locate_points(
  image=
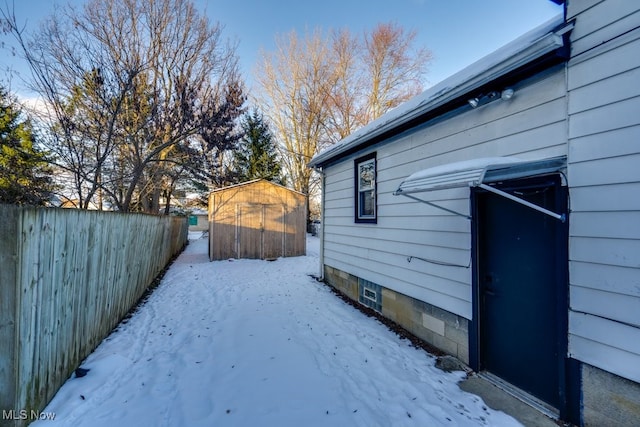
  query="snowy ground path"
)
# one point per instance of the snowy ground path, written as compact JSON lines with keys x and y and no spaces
{"x":257,"y":343}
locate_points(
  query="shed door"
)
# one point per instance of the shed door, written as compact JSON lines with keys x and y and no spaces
{"x":260,"y":232}
{"x":249,"y":231}
{"x":273,"y":232}
{"x":521,"y":287}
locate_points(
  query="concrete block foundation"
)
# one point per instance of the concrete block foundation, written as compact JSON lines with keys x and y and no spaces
{"x":437,"y":327}
{"x":609,"y":400}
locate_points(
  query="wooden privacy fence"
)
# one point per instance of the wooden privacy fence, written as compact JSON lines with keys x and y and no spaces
{"x":67,"y":278}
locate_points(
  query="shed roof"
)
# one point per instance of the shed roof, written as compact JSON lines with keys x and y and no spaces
{"x":254,"y":181}
{"x":542,"y":41}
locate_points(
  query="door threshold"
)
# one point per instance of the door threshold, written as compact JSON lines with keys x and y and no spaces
{"x":521,"y":395}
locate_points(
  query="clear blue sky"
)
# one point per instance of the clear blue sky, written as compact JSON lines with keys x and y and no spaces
{"x":458,"y":32}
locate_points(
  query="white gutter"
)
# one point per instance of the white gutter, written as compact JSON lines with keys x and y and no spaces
{"x":321,"y":254}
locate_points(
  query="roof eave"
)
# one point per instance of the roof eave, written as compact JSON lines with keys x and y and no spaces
{"x":548,"y":43}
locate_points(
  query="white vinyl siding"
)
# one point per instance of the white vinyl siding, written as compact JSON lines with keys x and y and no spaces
{"x":604,"y":175}
{"x":531,"y":125}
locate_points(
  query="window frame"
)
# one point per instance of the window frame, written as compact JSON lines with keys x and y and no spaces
{"x":358,"y":218}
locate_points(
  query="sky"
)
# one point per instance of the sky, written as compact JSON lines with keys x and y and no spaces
{"x":457,"y":32}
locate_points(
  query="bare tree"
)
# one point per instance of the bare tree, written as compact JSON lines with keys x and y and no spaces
{"x":134,"y":85}
{"x":318,"y":90}
{"x":68,"y":74}
{"x":395,"y":71}
{"x":296,"y":82}
{"x":347,"y":111}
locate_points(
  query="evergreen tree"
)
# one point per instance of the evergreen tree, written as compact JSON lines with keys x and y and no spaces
{"x":256,"y":156}
{"x":25,"y":175}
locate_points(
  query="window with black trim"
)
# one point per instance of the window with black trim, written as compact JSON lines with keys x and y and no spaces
{"x":365,"y":189}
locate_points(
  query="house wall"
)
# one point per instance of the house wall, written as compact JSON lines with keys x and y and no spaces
{"x":202,"y":225}
{"x":284,"y":225}
{"x":604,"y":171}
{"x":530,"y":125}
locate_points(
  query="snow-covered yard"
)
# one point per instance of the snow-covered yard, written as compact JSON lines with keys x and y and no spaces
{"x":257,"y":343}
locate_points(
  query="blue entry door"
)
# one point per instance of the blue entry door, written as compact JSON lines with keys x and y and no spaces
{"x":521,"y":258}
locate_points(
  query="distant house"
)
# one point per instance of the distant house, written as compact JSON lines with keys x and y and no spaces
{"x":256,"y":219}
{"x":198,"y":220}
{"x":75,"y":204}
{"x":497,"y":215}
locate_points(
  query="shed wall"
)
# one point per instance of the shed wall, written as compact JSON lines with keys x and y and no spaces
{"x":604,"y":172}
{"x":531,"y":125}
{"x":240,"y":214}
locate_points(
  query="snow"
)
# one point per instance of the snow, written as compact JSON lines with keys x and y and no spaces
{"x":250,"y":342}
{"x":464,"y":173}
{"x":470,"y":165}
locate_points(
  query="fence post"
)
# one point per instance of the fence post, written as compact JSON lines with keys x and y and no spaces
{"x":8,"y":302}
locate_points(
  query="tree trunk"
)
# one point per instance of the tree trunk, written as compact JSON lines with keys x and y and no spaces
{"x":167,"y":198}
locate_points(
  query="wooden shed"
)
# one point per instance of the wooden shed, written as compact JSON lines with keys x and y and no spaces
{"x":256,"y":219}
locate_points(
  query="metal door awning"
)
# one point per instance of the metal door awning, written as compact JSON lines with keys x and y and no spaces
{"x":478,"y":173}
